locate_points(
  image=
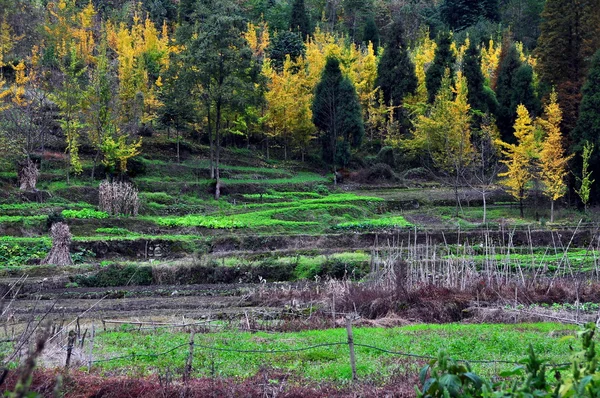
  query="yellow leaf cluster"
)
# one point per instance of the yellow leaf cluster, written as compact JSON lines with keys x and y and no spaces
{"x":490,"y":59}
{"x":66,"y":27}
{"x":18,"y":89}
{"x":446,"y":132}
{"x":258,"y":38}
{"x":289,"y":101}
{"x":131,"y":45}
{"x":422,"y":56}
{"x":362,"y":72}
{"x":7,"y":40}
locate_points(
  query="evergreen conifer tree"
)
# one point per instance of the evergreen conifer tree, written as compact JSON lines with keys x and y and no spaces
{"x":481,"y":97}
{"x":396,"y":72}
{"x":299,"y":20}
{"x":444,"y":59}
{"x":569,"y":36}
{"x":336,"y":112}
{"x":460,"y":14}
{"x":371,"y":33}
{"x":588,"y":123}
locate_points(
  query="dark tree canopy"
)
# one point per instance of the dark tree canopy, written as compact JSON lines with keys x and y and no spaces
{"x":505,"y":84}
{"x":299,"y":19}
{"x":336,"y":112}
{"x":480,"y":97}
{"x":285,"y":43}
{"x":460,"y":14}
{"x":570,"y":34}
{"x":444,"y":59}
{"x":371,"y":33}
{"x":588,"y":123}
{"x":396,"y":72}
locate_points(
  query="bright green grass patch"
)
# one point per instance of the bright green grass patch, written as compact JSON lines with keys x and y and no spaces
{"x":473,"y":342}
{"x":84,"y":213}
{"x":376,"y":223}
{"x":252,"y":219}
{"x":24,"y":219}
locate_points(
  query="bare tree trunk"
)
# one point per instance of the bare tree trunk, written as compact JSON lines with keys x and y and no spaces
{"x":484,"y":208}
{"x":217,"y":151}
{"x":178,"y":158}
{"x":552,"y":211}
{"x":212,"y":145}
{"x":96,"y":157}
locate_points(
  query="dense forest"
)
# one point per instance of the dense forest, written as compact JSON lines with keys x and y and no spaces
{"x":474,"y":92}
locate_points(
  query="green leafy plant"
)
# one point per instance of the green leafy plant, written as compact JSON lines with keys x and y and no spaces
{"x":84,"y":213}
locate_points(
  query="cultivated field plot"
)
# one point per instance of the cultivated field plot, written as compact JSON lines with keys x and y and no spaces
{"x":266,"y":283}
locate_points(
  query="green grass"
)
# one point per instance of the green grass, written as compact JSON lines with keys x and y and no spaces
{"x":473,"y":342}
{"x":376,"y":223}
{"x":304,"y":212}
{"x":18,"y":219}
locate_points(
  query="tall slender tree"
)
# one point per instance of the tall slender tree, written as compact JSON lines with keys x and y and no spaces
{"x":219,"y":66}
{"x":481,"y":97}
{"x":519,"y":157}
{"x":553,"y":160}
{"x":569,"y":36}
{"x":444,"y":59}
{"x":514,"y":86}
{"x":588,"y":124}
{"x":460,"y":14}
{"x":396,"y":72}
{"x":299,"y":19}
{"x":336,"y":112}
{"x":370,"y":33}
{"x":445,"y":134}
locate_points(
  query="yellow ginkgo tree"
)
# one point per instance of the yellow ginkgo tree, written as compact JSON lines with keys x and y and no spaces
{"x":445,"y":133}
{"x":519,"y":158}
{"x":289,"y":99}
{"x":553,"y":160}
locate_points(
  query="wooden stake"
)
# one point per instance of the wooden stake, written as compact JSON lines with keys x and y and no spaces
{"x":70,"y":344}
{"x":351,"y":346}
{"x":90,"y":358}
{"x":190,"y":358}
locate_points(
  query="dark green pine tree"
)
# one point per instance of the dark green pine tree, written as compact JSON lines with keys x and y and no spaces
{"x":336,"y":112}
{"x":396,"y":72}
{"x":371,"y":33}
{"x":588,"y":124}
{"x":460,"y":14}
{"x":507,"y":69}
{"x":569,"y":36}
{"x":186,"y":10}
{"x":523,"y":91}
{"x":444,"y":59}
{"x":480,"y":97}
{"x":285,"y":43}
{"x":299,"y":20}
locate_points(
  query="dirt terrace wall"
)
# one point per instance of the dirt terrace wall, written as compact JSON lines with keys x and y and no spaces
{"x":158,"y":249}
